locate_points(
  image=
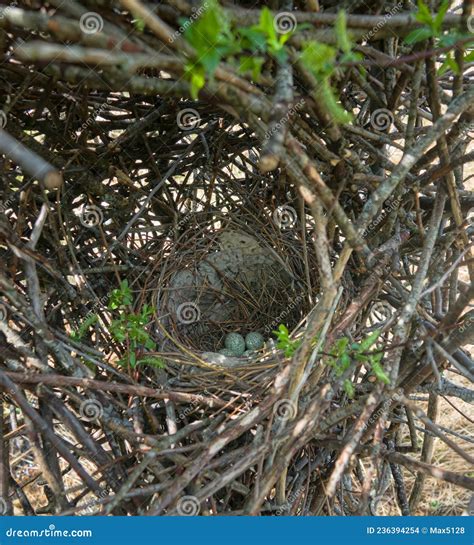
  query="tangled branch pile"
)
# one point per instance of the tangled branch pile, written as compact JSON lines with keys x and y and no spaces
{"x":134,"y":136}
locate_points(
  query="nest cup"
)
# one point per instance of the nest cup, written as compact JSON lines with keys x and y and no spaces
{"x":197,"y":314}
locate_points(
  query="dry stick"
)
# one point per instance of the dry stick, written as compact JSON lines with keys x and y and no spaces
{"x":401,"y":330}
{"x":443,"y":152}
{"x":161,"y":29}
{"x":12,"y":390}
{"x":63,"y":28}
{"x":301,"y":432}
{"x":426,"y":454}
{"x":272,"y":148}
{"x":409,"y":160}
{"x":5,"y":503}
{"x":442,"y":474}
{"x":351,"y":444}
{"x":301,"y":365}
{"x":398,"y":21}
{"x":37,"y":51}
{"x":240,"y":425}
{"x":33,"y":165}
{"x":132,"y":478}
{"x":97,"y":453}
{"x":132,"y":389}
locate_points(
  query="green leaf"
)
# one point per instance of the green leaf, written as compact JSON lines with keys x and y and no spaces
{"x":380,"y":373}
{"x":340,"y":346}
{"x":152,"y":361}
{"x":369,"y":341}
{"x":439,"y":18}
{"x":83,"y":328}
{"x":342,"y":37}
{"x":349,"y":389}
{"x":197,"y":79}
{"x":418,"y":35}
{"x":251,"y":65}
{"x":139,"y":24}
{"x":449,"y":64}
{"x":266,"y":24}
{"x":335,"y":110}
{"x":424,"y":14}
{"x":253,"y":38}
{"x":319,"y":58}
{"x":132,"y":359}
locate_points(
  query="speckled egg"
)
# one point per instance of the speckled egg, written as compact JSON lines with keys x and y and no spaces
{"x":236,"y":343}
{"x":254,"y":341}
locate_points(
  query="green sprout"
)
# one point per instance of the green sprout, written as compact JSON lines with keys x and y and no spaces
{"x":343,"y":353}
{"x":128,"y":328}
{"x":433,"y":29}
{"x":285,"y":343}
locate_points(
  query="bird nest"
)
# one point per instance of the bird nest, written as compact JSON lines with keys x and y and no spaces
{"x":136,"y":230}
{"x":202,"y":290}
